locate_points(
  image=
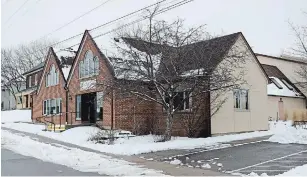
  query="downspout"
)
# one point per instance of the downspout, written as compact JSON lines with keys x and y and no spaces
{"x":66,"y":109}
{"x":112,"y":110}
{"x":32,"y":108}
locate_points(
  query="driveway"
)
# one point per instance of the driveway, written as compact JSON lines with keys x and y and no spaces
{"x":256,"y":155}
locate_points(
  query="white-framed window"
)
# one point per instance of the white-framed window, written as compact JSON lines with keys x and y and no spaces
{"x":89,"y":66}
{"x":241,"y":100}
{"x":30,"y":79}
{"x":52,"y":77}
{"x":182,"y":100}
{"x":35,"y":79}
{"x":52,"y":106}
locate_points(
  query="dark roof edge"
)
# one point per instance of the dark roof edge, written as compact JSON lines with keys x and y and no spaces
{"x":255,"y":56}
{"x":31,"y":71}
{"x":280,"y":58}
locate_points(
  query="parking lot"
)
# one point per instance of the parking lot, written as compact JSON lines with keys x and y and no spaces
{"x":258,"y":156}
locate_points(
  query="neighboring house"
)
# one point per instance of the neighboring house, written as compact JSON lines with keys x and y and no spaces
{"x":289,"y":66}
{"x":285,"y":100}
{"x":33,"y":77}
{"x":83,"y":99}
{"x":8,"y":101}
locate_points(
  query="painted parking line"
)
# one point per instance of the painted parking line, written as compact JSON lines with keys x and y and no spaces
{"x":222,"y":146}
{"x":265,"y":162}
{"x":264,"y":171}
{"x":278,"y":166}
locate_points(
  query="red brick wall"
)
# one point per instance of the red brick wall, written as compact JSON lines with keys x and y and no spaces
{"x":56,"y":91}
{"x":74,"y":84}
{"x":144,"y":117}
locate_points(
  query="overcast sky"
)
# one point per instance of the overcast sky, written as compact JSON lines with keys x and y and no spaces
{"x":263,"y":22}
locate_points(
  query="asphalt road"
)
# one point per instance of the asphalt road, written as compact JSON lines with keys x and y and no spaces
{"x":251,"y":156}
{"x":13,"y":164}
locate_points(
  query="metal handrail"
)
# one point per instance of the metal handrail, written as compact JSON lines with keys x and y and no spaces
{"x":39,"y":119}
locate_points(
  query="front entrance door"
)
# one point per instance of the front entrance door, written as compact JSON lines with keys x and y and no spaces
{"x":88,"y":105}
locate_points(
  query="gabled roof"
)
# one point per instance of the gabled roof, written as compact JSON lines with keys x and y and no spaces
{"x":85,"y":35}
{"x":57,"y":61}
{"x":208,"y":53}
{"x":35,"y":68}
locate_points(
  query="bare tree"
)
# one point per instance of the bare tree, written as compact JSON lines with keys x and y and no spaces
{"x":16,"y":61}
{"x":167,"y":64}
{"x":300,"y":50}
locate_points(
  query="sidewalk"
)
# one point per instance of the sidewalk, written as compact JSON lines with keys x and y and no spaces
{"x":167,"y":169}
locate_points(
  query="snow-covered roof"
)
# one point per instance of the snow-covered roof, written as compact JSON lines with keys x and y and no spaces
{"x":280,"y":87}
{"x":66,"y":70}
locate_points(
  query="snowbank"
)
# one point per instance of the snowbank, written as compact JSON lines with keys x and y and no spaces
{"x":72,"y":157}
{"x":285,"y":133}
{"x":16,"y":116}
{"x":297,"y":171}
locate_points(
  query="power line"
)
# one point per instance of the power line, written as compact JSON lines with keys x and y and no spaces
{"x":75,"y":19}
{"x":139,"y":20}
{"x":57,"y":43}
{"x":182,"y":2}
{"x":15,"y":12}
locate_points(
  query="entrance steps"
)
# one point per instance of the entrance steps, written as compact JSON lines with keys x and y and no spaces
{"x":56,"y":128}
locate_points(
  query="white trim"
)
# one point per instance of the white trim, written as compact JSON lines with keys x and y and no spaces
{"x":76,"y":61}
{"x":35,"y":71}
{"x":43,"y":74}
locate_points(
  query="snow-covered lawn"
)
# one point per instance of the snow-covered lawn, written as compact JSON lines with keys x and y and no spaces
{"x":122,"y":146}
{"x":72,"y":157}
{"x":282,"y":132}
{"x":16,"y":116}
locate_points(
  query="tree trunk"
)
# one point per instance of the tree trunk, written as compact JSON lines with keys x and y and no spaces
{"x":169,"y":122}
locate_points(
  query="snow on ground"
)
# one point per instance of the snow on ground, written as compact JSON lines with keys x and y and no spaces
{"x":141,"y":144}
{"x":285,"y":133}
{"x":175,"y":162}
{"x":282,"y":132}
{"x":297,"y":171}
{"x":16,"y":116}
{"x":72,"y":157}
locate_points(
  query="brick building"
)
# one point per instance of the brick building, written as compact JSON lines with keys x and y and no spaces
{"x":83,"y":98}
{"x":49,"y":102}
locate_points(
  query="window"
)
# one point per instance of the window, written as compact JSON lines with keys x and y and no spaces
{"x":78,"y":107}
{"x":241,"y":99}
{"x":287,"y":84}
{"x":52,"y":106}
{"x":181,"y":100}
{"x":89,"y":66}
{"x":30,"y":78}
{"x":52,"y":78}
{"x":276,"y":83}
{"x":35,"y":81}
